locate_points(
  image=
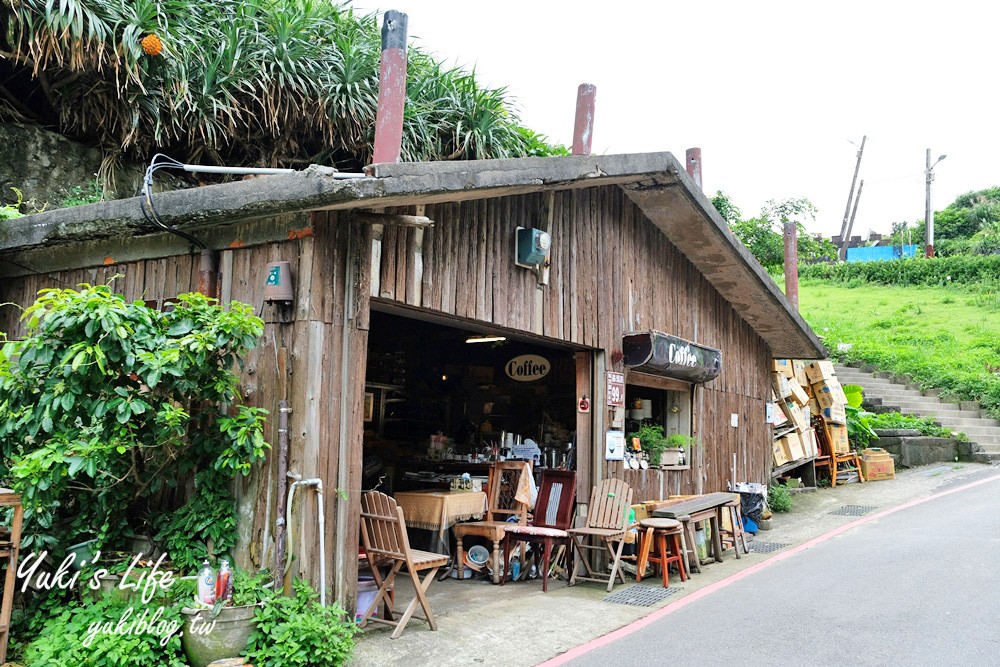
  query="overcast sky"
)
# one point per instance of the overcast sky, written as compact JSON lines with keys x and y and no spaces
{"x":772,"y":92}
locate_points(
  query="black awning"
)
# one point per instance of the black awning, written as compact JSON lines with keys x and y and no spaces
{"x":657,"y":353}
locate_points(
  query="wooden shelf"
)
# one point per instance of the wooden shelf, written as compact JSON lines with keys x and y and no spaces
{"x":683,"y":467}
{"x":791,"y":465}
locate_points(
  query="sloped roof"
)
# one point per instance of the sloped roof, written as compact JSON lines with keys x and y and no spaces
{"x":656,"y":182}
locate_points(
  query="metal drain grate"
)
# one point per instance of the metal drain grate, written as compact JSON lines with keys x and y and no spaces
{"x":641,"y":596}
{"x":759,"y":547}
{"x":853,"y":510}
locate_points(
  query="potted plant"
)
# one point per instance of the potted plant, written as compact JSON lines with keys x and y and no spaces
{"x":222,"y":630}
{"x":681,"y":444}
{"x":652,"y":441}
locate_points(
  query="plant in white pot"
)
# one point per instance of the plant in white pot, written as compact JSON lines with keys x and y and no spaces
{"x":215,"y":632}
{"x":681,"y":446}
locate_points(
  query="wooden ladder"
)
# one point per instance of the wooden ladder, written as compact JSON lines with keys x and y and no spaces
{"x":8,"y":550}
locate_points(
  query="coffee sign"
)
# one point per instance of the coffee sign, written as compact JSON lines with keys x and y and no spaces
{"x":527,"y":368}
{"x":657,"y":353}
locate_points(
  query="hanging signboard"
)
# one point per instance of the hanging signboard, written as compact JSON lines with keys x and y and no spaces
{"x":616,"y":389}
{"x":527,"y":368}
{"x":658,"y":353}
{"x":614,"y":446}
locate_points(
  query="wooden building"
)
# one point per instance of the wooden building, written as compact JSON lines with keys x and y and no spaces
{"x":635,"y":246}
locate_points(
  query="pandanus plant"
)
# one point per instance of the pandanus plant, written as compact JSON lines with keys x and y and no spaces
{"x":239,"y":82}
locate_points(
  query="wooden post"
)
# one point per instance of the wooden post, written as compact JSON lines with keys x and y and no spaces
{"x":354,"y":361}
{"x":391,"y":89}
{"x":583,"y":128}
{"x":693,"y":159}
{"x":585,"y":465}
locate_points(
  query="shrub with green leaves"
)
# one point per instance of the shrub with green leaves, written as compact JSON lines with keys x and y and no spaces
{"x":281,"y":82}
{"x":107,"y":407}
{"x":297,"y":632}
{"x":779,"y":499}
{"x":896,"y":420}
{"x":70,"y":635}
{"x":958,"y":270}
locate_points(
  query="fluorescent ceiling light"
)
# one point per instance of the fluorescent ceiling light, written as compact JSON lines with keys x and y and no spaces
{"x":485,"y":339}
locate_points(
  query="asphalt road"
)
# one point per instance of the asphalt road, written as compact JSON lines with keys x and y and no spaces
{"x":920,"y":586}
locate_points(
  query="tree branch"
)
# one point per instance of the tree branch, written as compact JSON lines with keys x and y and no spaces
{"x":18,"y":105}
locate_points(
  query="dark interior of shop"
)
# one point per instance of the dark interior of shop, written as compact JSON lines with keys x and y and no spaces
{"x":435,"y":400}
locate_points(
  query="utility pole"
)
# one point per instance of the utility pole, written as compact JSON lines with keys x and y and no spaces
{"x":928,"y":211}
{"x":844,"y":234}
{"x":850,"y":223}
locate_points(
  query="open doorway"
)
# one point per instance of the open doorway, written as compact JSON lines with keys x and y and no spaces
{"x":442,"y":401}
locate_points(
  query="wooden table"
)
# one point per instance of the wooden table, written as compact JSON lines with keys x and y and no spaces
{"x":695,"y":510}
{"x":438,"y":511}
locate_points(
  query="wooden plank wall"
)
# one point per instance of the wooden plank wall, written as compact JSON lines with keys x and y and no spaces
{"x":313,"y":341}
{"x":612,"y":272}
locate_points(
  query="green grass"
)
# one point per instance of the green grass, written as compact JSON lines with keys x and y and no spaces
{"x":946,"y":337}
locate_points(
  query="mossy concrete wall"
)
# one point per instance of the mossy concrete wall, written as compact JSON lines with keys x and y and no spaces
{"x":45,"y":166}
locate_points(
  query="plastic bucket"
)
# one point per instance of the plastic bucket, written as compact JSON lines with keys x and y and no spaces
{"x":367,"y":589}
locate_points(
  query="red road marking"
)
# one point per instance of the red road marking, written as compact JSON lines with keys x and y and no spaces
{"x":634,"y":626}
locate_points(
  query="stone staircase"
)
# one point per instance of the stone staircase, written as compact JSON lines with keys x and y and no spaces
{"x":906,"y":397}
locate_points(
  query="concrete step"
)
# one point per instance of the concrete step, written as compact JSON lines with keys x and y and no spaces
{"x":976,"y":432}
{"x":890,"y":396}
{"x":896,"y":390}
{"x":908,"y":399}
{"x":868,"y":382}
{"x":940,"y":408}
{"x":970,"y":422}
{"x":935,"y":415}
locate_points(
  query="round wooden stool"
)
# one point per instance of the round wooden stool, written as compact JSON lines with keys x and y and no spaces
{"x":670,"y":547}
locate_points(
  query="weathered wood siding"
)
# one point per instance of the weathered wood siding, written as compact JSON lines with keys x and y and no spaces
{"x":314,"y":342}
{"x":612,"y":272}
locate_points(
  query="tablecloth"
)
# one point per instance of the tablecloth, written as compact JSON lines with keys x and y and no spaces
{"x":439,"y":510}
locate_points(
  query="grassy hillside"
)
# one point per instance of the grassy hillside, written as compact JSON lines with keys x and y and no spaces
{"x":946,"y":337}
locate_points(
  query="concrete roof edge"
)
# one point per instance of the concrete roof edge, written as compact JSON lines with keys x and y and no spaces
{"x":316,"y":188}
{"x":721,"y":228}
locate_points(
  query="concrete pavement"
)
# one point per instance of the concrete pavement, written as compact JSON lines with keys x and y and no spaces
{"x":518,"y":625}
{"x":914,"y":586}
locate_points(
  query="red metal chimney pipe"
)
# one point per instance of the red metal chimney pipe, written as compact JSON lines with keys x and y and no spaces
{"x":391,"y":89}
{"x":583,"y":128}
{"x":693,"y":159}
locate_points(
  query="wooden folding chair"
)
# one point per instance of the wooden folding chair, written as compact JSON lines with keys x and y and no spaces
{"x":383,"y":530}
{"x":506,"y":478}
{"x":607,"y":521}
{"x":830,"y":459}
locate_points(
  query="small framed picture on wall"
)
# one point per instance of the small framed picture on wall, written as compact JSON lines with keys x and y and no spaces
{"x":369,"y":406}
